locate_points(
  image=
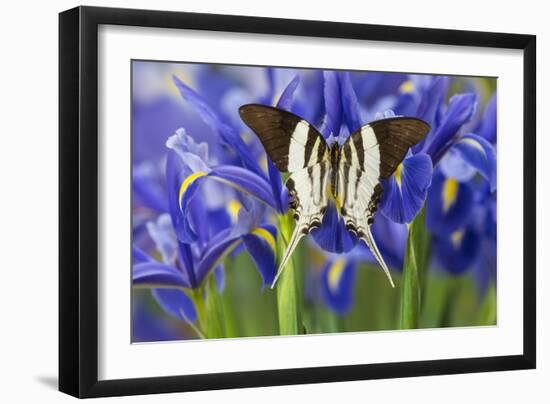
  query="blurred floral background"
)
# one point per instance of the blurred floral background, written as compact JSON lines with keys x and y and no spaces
{"x":210,"y":211}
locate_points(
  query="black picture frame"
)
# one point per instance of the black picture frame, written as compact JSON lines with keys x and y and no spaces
{"x":78,"y":200}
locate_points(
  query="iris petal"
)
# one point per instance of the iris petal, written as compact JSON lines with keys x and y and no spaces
{"x":161,"y":232}
{"x":180,"y":221}
{"x":432,"y":99}
{"x":449,"y":204}
{"x":479,"y":153}
{"x":459,"y":111}
{"x":261,"y":246}
{"x":350,"y":106}
{"x":372,"y":86}
{"x":236,"y":177}
{"x":285,"y":100}
{"x":484,"y":269}
{"x":245,"y":181}
{"x":405,"y":105}
{"x":333,"y":104}
{"x":391,"y":238}
{"x":139,"y":256}
{"x":270,"y":93}
{"x":488,"y":126}
{"x":219,"y":276}
{"x":176,"y":303}
{"x":276,"y":186}
{"x":453,"y":165}
{"x":458,"y":250}
{"x":332,"y":235}
{"x":156,"y":274}
{"x":213,"y":120}
{"x":220,"y":247}
{"x":187,"y":263}
{"x":405,"y":192}
{"x":337,"y":280}
{"x":146,"y":189}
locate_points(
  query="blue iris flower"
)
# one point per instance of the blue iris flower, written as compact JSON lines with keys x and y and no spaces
{"x":461,"y":203}
{"x":451,"y":197}
{"x":184,"y":266}
{"x":407,"y":190}
{"x":194,"y":237}
{"x":473,"y":244}
{"x":216,"y":193}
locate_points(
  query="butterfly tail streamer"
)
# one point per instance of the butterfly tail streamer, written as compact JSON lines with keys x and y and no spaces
{"x":369,"y":239}
{"x":293,"y":243}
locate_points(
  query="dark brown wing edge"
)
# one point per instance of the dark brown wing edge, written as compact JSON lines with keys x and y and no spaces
{"x":274,"y":127}
{"x":395,"y":136}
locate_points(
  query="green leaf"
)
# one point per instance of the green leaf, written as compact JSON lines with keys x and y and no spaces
{"x":417,"y":256}
{"x":488,"y":310}
{"x":289,"y":285}
{"x":435,"y":301}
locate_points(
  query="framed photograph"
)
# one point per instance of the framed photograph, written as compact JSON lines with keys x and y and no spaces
{"x":251,"y":201}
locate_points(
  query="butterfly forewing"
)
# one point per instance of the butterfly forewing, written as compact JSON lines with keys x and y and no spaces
{"x":290,"y":141}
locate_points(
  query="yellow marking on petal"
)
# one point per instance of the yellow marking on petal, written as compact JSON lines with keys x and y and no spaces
{"x":188,"y":181}
{"x":266,"y":235}
{"x":473,"y":143}
{"x":335,"y":273}
{"x":263,"y":163}
{"x":407,"y":87}
{"x":397,"y":174}
{"x":450,"y":192}
{"x":247,"y":137}
{"x":456,"y":238}
{"x":233,"y":208}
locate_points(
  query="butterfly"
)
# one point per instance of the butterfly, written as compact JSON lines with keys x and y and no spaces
{"x":349,"y":174}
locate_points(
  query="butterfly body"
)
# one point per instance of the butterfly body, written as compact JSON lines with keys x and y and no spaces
{"x":348,"y":175}
{"x":335,"y":152}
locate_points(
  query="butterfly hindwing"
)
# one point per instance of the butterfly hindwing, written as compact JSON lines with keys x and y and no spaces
{"x":368,"y":156}
{"x":290,"y":141}
{"x":308,"y":189}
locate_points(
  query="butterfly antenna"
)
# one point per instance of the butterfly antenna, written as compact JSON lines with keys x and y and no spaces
{"x":294,"y":239}
{"x":374,"y":249}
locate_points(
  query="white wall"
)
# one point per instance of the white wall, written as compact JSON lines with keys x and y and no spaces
{"x":28,"y":202}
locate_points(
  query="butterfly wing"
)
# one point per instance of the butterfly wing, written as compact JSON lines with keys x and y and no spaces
{"x":368,"y":156}
{"x":294,"y":146}
{"x":290,"y":141}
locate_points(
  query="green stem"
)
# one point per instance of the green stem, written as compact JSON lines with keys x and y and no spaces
{"x":198,"y":298}
{"x":488,"y":310}
{"x":410,"y":290}
{"x":414,"y":271}
{"x":214,"y":325}
{"x":209,"y":309}
{"x":289,"y":290}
